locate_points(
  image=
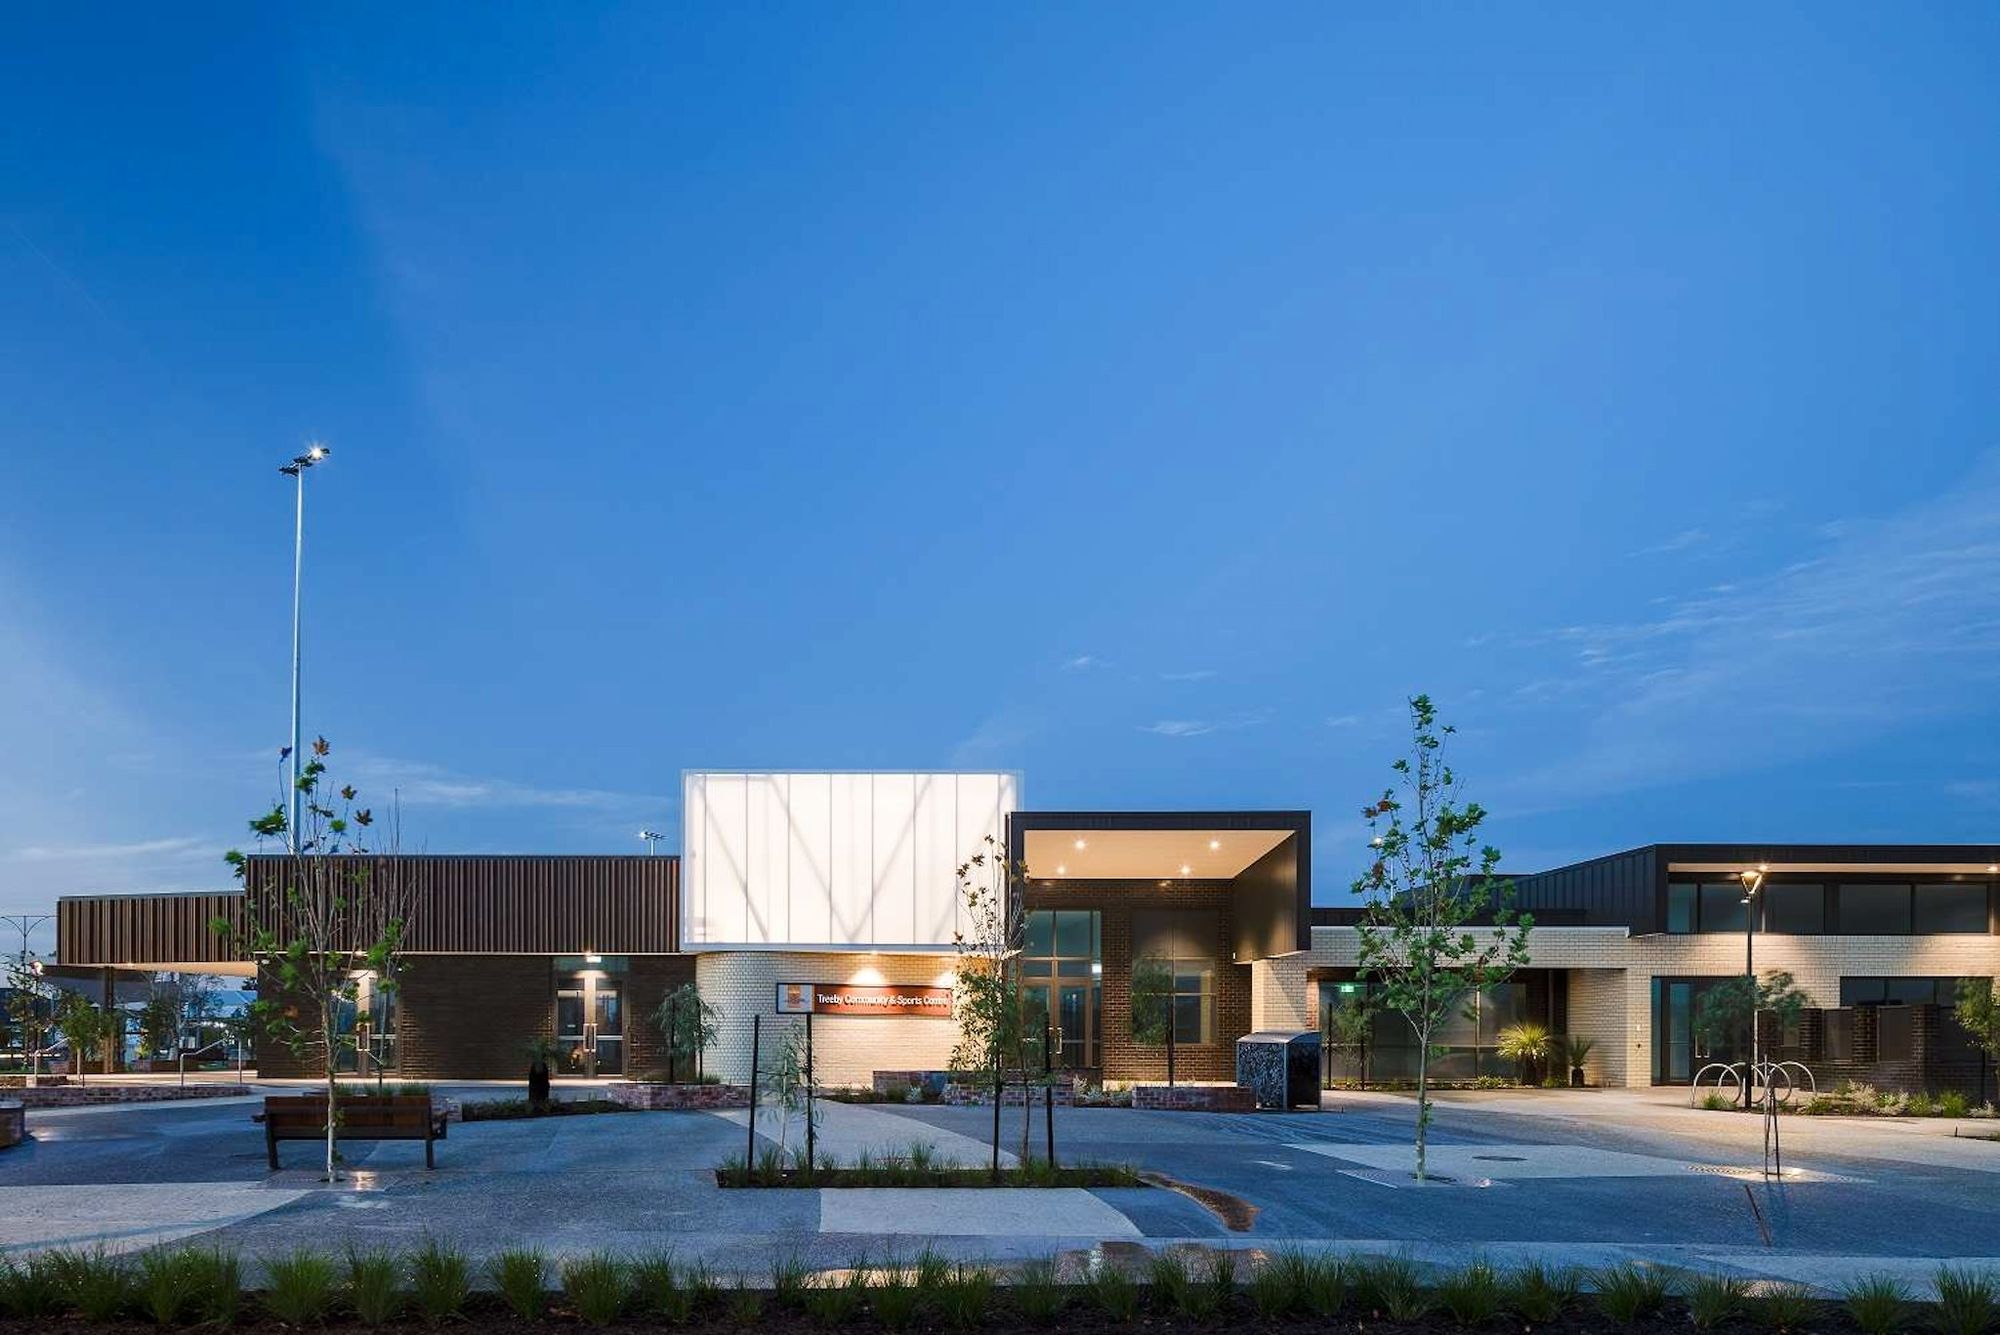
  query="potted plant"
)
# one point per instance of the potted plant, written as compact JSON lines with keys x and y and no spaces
{"x":1575,"y":1050}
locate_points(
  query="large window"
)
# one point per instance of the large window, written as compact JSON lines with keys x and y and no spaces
{"x":1899,"y":991}
{"x":1794,"y":910}
{"x":1955,"y":907}
{"x":1869,"y":909}
{"x":1185,"y":988}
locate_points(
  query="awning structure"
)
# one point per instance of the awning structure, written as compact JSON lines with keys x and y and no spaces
{"x":1264,"y":857}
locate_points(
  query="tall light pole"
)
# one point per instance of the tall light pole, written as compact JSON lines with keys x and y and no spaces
{"x":652,"y":839}
{"x":24,"y":923}
{"x":1753,"y":881}
{"x":296,"y":470}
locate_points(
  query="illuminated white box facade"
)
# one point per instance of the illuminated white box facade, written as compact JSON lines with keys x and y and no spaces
{"x":789,"y":861}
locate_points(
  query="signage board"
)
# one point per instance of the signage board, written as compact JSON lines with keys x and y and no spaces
{"x":879,"y":999}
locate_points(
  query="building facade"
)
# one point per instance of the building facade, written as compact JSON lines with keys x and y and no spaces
{"x":1146,"y":941}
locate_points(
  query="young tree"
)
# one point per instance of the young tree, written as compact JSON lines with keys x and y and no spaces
{"x":986,"y":987}
{"x":1722,"y":1015}
{"x":1429,"y":878}
{"x":1152,"y":1002}
{"x":688,"y":1024}
{"x":160,"y":1022}
{"x":86,"y":1026}
{"x":325,"y":915}
{"x":30,"y":1009}
{"x":1978,"y":1014}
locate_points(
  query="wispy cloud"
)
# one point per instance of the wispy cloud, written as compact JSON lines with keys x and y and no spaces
{"x":1178,"y":727}
{"x":147,"y":848}
{"x":1196,"y":674}
{"x":1685,"y":540}
{"x":1893,"y":622}
{"x":1083,"y":663}
{"x":417,"y":784}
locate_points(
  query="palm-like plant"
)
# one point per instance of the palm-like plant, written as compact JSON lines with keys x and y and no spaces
{"x":1575,"y":1049}
{"x":1526,"y":1043}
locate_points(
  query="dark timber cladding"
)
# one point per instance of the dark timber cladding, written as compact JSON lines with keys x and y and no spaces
{"x":133,"y":929}
{"x":460,"y":904}
{"x":519,"y":904}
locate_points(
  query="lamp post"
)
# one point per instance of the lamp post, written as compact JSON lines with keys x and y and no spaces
{"x":1753,"y":881}
{"x":296,"y":470}
{"x":652,"y":838}
{"x":24,"y":923}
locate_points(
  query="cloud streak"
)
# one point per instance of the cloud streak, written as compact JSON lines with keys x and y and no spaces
{"x":417,"y":784}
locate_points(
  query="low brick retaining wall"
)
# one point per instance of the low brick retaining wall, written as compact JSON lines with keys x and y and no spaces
{"x":1194,"y":1098}
{"x":1011,"y":1094}
{"x":678,"y":1098}
{"x":77,"y":1096}
{"x":18,"y":1081}
{"x":13,"y":1124}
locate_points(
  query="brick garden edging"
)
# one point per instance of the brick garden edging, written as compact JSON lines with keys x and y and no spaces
{"x":20,"y":1081}
{"x":78,"y":1096}
{"x":1194,"y":1098}
{"x":677,"y":1098}
{"x":1011,"y":1094}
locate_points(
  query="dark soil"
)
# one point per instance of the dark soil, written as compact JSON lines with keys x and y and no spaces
{"x":486,"y":1314}
{"x":883,"y":1176}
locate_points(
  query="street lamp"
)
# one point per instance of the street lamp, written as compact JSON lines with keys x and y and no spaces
{"x":652,"y":839}
{"x":1753,"y":881}
{"x":24,"y":923}
{"x":296,"y":470}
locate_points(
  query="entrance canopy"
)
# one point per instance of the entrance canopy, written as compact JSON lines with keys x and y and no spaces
{"x":1263,"y":857}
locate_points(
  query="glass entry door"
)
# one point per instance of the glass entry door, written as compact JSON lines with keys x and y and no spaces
{"x":1679,"y":1052}
{"x":590,"y":1026}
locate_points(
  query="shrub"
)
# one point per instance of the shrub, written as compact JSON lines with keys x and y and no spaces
{"x":521,"y":1276}
{"x":1114,"y":1292}
{"x":963,"y":1298}
{"x":1391,"y":1286}
{"x":1966,"y":1303}
{"x":838,"y":1303}
{"x":1920,"y":1105}
{"x":1878,"y":1304}
{"x":189,"y":1284}
{"x":1628,"y":1292}
{"x":374,"y":1287}
{"x":1952,"y":1103}
{"x":1471,"y":1295}
{"x":894,"y":1299}
{"x":1539,"y":1293}
{"x":1040,"y":1292}
{"x":1786,"y":1307}
{"x":30,"y":1289}
{"x":1717,"y":1102}
{"x":658,"y":1291}
{"x":597,"y":1286}
{"x":440,"y":1280}
{"x":299,"y":1286}
{"x":97,"y":1284}
{"x":1715,"y":1300}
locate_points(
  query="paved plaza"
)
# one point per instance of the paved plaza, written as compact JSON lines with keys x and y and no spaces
{"x":1584,"y":1177}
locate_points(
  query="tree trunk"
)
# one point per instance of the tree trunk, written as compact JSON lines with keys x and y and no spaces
{"x":332,"y":1084}
{"x":1423,"y":1100}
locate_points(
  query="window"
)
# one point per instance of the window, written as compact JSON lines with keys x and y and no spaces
{"x":1794,"y":910}
{"x":1680,"y":908}
{"x":1899,"y":992}
{"x":1875,"y":910}
{"x":1061,"y":981}
{"x":1194,"y":1001}
{"x":1951,"y":907}
{"x":1722,"y":908}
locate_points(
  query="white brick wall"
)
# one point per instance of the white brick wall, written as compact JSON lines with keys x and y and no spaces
{"x":1611,"y":974}
{"x":847,"y":1049}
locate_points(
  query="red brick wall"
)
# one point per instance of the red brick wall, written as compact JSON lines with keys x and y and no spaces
{"x":1117,"y":902}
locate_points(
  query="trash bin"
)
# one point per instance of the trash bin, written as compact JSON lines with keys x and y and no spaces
{"x":1280,"y":1067}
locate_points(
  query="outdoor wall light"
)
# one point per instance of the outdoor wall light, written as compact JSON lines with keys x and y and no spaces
{"x":593,"y":959}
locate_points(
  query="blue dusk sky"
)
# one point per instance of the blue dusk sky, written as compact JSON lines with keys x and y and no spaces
{"x":1145,"y":397}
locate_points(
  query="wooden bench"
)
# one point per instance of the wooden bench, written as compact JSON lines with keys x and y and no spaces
{"x":362,"y":1117}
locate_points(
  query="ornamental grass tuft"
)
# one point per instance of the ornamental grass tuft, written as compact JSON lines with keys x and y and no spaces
{"x":1541,"y":1293}
{"x":440,"y":1280}
{"x":374,"y":1287}
{"x":1040,"y":1292}
{"x":300,"y":1286}
{"x":1715,"y":1300}
{"x":1628,"y":1292}
{"x":1471,"y":1296}
{"x":1878,"y":1304}
{"x":521,"y":1277}
{"x":1966,"y":1302}
{"x":598,"y":1286}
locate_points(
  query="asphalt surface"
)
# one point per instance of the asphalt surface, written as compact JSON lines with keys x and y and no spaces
{"x":642,"y":1181}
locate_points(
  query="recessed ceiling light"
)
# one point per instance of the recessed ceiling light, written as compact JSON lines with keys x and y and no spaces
{"x":1062,"y":871}
{"x":1185,"y":869}
{"x":1992,"y":867}
{"x":1215,"y":845}
{"x":1081,"y":845}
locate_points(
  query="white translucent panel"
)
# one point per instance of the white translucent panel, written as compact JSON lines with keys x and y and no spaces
{"x":725,"y":877}
{"x":770,"y":861}
{"x":852,"y":911}
{"x":937,"y":857}
{"x":894,"y":856}
{"x":811,"y":809}
{"x":694,"y":860}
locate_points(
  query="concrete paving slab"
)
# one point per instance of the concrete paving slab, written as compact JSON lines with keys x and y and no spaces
{"x":848,"y":1129}
{"x":1502,"y":1163}
{"x":127,"y":1216}
{"x":972,"y":1212}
